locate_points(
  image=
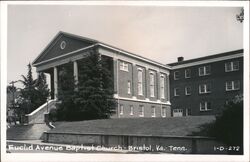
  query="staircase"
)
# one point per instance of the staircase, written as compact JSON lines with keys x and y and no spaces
{"x":26,"y":132}
{"x":38,"y":115}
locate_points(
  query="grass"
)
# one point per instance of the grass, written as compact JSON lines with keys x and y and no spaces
{"x":178,"y":126}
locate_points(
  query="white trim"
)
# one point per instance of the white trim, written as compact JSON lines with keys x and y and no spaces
{"x":64,"y":55}
{"x":153,"y":114}
{"x":133,"y":61}
{"x":165,"y":113}
{"x":187,"y":94}
{"x":142,"y":111}
{"x":233,"y":85}
{"x":121,"y":110}
{"x":206,"y":108}
{"x":136,"y":56}
{"x":63,"y":45}
{"x":205,"y":69}
{"x":122,"y":65}
{"x":231,"y":64}
{"x":162,"y":89}
{"x":175,"y":92}
{"x":39,"y":108}
{"x":205,"y":89}
{"x":207,"y":61}
{"x":152,"y":84}
{"x":144,"y":101}
{"x":129,"y":87}
{"x":186,"y":73}
{"x":131,"y":110}
{"x":178,"y":75}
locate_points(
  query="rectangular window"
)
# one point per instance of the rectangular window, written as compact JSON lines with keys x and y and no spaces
{"x":163,"y":112}
{"x":232,"y":66}
{"x":232,"y":85}
{"x":140,"y":82}
{"x":152,"y":84}
{"x":123,"y":66}
{"x":176,"y":75}
{"x":188,"y":112}
{"x":187,"y":73}
{"x":131,"y":110}
{"x":204,"y":88}
{"x":129,"y":87}
{"x":176,"y":91}
{"x":188,"y":90}
{"x":141,"y":110}
{"x":205,"y":106}
{"x":162,"y":86}
{"x":205,"y":70}
{"x":121,"y":109}
{"x":153,"y":111}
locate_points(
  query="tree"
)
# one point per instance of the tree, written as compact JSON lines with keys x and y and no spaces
{"x":34,"y":93}
{"x":92,"y":96}
{"x":228,"y":126}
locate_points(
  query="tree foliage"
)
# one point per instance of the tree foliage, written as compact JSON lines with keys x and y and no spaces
{"x":228,"y":126}
{"x":34,"y":93}
{"x":92,"y":96}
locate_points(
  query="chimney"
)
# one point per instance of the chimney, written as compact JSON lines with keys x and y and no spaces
{"x":180,"y":59}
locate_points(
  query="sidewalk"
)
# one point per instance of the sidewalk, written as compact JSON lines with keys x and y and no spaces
{"x":37,"y":146}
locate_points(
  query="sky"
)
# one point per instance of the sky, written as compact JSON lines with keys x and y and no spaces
{"x":161,"y":33}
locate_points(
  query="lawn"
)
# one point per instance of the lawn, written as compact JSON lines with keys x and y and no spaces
{"x":174,"y":126}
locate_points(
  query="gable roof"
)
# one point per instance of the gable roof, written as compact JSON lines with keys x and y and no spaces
{"x":83,"y":42}
{"x":89,"y":43}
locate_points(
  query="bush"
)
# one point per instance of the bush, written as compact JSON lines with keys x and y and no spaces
{"x":228,"y":126}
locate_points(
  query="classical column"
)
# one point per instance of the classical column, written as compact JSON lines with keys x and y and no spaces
{"x":55,"y":83}
{"x":75,"y":72}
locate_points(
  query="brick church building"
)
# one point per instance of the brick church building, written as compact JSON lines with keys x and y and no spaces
{"x":146,"y":88}
{"x":141,"y":85}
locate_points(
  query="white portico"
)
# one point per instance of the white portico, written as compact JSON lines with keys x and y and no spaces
{"x":141,"y":85}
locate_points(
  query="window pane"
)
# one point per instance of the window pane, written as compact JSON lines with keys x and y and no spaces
{"x":229,"y":85}
{"x":176,"y":75}
{"x":208,"y":86}
{"x":141,"y":111}
{"x":153,"y":111}
{"x":188,"y":90}
{"x":237,"y":84}
{"x":187,"y":73}
{"x":129,"y":87}
{"x":228,"y":66}
{"x":121,"y":109}
{"x":208,"y":69}
{"x":208,"y":105}
{"x":236,"y":65}
{"x":162,"y":87}
{"x":176,"y":91}
{"x":131,"y":110}
{"x":139,"y":82}
{"x":201,"y":71}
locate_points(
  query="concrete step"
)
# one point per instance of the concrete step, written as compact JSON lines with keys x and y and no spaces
{"x":26,"y":132}
{"x":37,"y":116}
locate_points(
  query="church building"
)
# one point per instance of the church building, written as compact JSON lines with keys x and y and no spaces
{"x":141,"y":85}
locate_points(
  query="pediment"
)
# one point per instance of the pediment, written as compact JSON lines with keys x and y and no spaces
{"x":62,"y":44}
